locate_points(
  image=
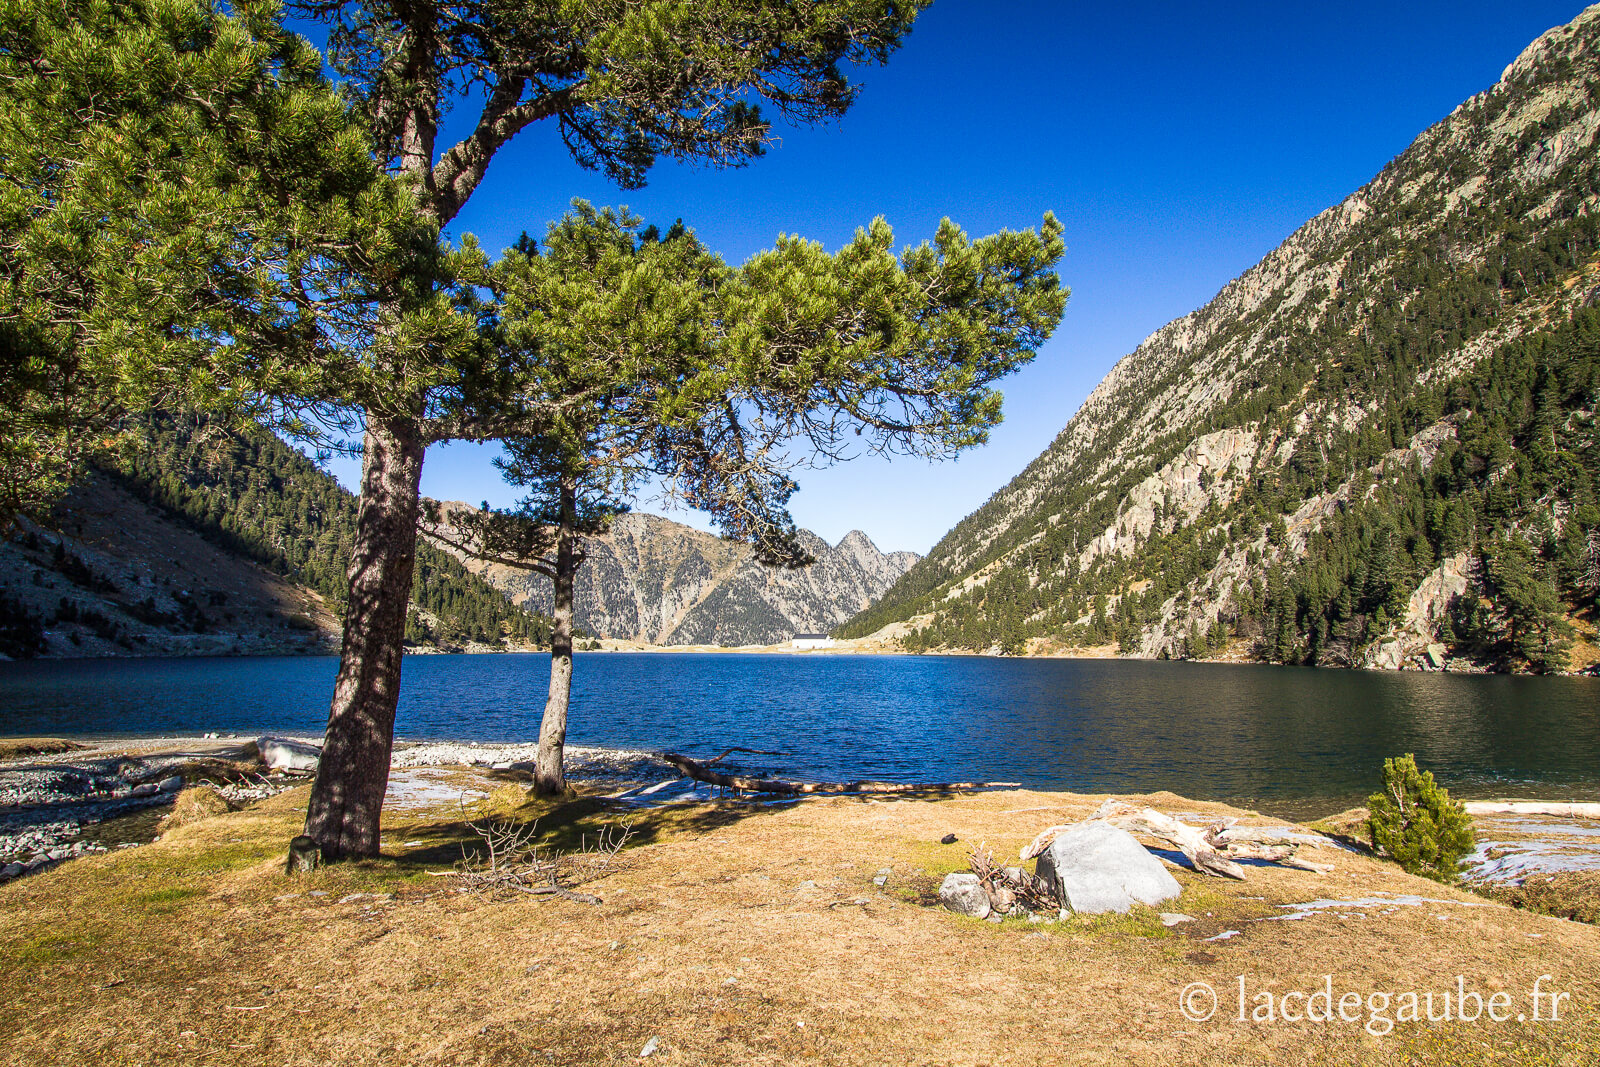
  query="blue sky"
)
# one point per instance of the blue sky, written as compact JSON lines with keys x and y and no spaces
{"x":1177,"y":142}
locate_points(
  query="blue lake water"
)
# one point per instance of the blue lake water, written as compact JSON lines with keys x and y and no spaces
{"x":1287,"y":740}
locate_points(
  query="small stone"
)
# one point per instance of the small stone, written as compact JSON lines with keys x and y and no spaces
{"x":1173,"y":918}
{"x":880,"y":880}
{"x":318,"y":893}
{"x":171,"y":785}
{"x":148,"y":789}
{"x":995,"y":917}
{"x":948,"y":839}
{"x":649,"y":1047}
{"x":806,"y":885}
{"x":963,"y":894}
{"x":11,"y":870}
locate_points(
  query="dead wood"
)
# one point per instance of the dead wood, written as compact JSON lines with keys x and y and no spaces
{"x":1533,"y":807}
{"x":1010,"y":887}
{"x":700,"y":772}
{"x":512,"y":861}
{"x":1213,"y":851}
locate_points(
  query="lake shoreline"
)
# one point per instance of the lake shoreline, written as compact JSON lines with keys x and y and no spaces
{"x":861,"y":647}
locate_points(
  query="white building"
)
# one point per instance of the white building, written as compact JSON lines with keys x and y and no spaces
{"x":805,"y":641}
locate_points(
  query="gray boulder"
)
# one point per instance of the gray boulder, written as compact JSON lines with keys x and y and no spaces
{"x":1097,"y":868}
{"x":962,"y":894}
{"x":281,"y":754}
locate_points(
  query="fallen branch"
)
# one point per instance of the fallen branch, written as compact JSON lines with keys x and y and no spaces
{"x":700,"y":772}
{"x":1532,"y":807}
{"x":1213,"y":851}
{"x":1191,"y":842}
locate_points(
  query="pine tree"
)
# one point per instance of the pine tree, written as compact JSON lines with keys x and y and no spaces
{"x":659,"y":361}
{"x":1414,"y":820}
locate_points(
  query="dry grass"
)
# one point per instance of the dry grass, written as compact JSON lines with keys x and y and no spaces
{"x":16,"y":748}
{"x":194,"y":803}
{"x":1568,"y":895}
{"x":735,"y":934}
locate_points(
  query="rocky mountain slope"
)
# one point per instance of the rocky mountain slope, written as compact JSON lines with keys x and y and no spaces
{"x":1376,"y":447}
{"x":116,"y":576}
{"x":203,"y":542}
{"x":653,"y":580}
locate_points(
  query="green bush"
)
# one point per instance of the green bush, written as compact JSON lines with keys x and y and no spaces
{"x":1417,"y":824}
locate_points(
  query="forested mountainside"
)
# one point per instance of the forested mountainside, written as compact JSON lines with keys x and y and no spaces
{"x":126,"y":549}
{"x":660,"y":582}
{"x":1376,"y":447}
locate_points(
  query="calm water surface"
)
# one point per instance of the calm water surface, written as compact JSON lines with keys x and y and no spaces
{"x":1286,"y":740}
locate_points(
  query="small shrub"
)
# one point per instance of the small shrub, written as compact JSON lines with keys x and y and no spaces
{"x":1417,"y":824}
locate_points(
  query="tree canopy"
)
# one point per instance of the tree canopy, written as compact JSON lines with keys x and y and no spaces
{"x":650,"y":358}
{"x":190,"y":217}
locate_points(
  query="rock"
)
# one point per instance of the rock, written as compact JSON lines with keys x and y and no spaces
{"x":1097,"y":868}
{"x":1435,"y":655}
{"x":1174,"y":918}
{"x":649,"y":1047}
{"x":962,"y":894}
{"x":171,"y":785}
{"x":148,"y":789}
{"x":281,"y":754}
{"x":948,"y":839}
{"x":11,"y":870}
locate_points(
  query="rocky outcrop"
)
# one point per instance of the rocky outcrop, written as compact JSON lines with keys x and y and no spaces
{"x":657,"y":581}
{"x":1417,"y":641}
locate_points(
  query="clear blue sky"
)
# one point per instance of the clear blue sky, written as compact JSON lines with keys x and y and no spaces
{"x":1177,"y":142}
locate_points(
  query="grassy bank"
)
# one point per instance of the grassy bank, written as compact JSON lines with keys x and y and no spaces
{"x":734,"y":933}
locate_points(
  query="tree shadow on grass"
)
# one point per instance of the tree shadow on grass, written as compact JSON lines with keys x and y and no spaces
{"x":570,"y":823}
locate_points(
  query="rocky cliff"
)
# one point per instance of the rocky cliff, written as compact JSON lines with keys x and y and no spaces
{"x":653,"y":580}
{"x":1379,"y":438}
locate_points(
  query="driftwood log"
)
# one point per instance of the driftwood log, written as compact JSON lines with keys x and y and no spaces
{"x":1533,"y":807}
{"x":701,"y":772}
{"x":1212,"y":851}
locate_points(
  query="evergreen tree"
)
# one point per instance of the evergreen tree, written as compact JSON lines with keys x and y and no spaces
{"x":178,"y":179}
{"x":656,"y":359}
{"x":1414,"y":820}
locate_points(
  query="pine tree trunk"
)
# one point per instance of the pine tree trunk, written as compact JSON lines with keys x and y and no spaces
{"x":347,"y":799}
{"x":549,"y":773}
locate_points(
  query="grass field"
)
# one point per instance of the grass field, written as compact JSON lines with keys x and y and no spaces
{"x":743,"y":934}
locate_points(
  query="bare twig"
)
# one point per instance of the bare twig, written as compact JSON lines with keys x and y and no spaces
{"x":512,"y":861}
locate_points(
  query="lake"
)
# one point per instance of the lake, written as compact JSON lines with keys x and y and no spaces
{"x":1291,"y":741}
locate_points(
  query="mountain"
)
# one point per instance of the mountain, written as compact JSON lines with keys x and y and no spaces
{"x":112,"y":575}
{"x":1377,"y":447}
{"x":655,"y":581}
{"x":203,"y":542}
